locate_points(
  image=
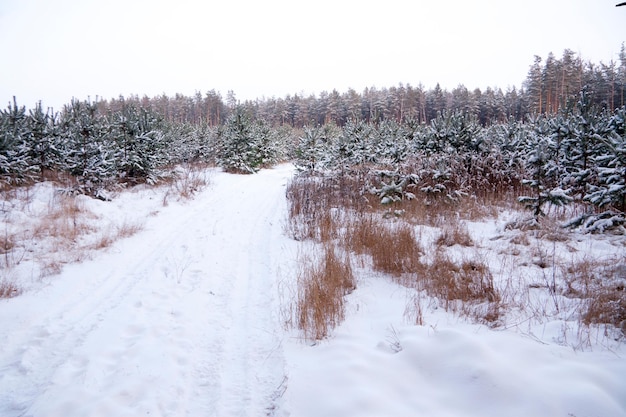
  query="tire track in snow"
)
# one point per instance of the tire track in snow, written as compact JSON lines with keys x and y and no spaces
{"x":45,"y":341}
{"x":252,"y":364}
{"x":177,"y":331}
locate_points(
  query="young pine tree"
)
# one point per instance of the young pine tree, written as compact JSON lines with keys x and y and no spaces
{"x":244,"y":146}
{"x":610,"y":189}
{"x":43,"y":139}
{"x":544,"y":173}
{"x":15,"y":161}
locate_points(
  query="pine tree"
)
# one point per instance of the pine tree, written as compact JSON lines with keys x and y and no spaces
{"x":140,"y":145}
{"x":544,"y":173}
{"x":43,"y":138}
{"x":312,"y":148}
{"x":15,"y":163}
{"x":267,"y":147}
{"x":392,"y":144}
{"x":89,"y":153}
{"x":245,"y":146}
{"x":610,"y":190}
{"x":580,"y":140}
{"x":534,"y":87}
{"x":354,"y":145}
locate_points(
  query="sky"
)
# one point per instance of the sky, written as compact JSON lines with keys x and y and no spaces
{"x":56,"y":50}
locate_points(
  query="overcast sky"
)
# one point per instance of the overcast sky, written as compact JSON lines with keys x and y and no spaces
{"x":53,"y":50}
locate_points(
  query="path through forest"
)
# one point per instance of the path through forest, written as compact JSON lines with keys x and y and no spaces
{"x":180,"y":319}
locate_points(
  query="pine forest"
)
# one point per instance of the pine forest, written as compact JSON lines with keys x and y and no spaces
{"x":558,"y":142}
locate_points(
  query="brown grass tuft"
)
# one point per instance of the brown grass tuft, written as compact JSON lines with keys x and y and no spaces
{"x":128,"y":229}
{"x":8,"y":290}
{"x":606,"y":306}
{"x":7,"y":243}
{"x":185,"y":181}
{"x":413,"y":311}
{"x":468,"y":282}
{"x":316,"y":203}
{"x":50,"y":267}
{"x":601,"y":285}
{"x":393,"y":246}
{"x":321,"y":291}
{"x":454,"y":234}
{"x":396,"y":251}
{"x":520,"y":238}
{"x":65,"y":220}
{"x":120,"y":232}
{"x":361,"y":233}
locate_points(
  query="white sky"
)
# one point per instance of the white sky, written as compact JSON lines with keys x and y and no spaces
{"x":53,"y":50}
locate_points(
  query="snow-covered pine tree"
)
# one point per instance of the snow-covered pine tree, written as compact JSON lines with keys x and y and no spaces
{"x":310,"y":149}
{"x":43,"y":139}
{"x":354,"y":145}
{"x":266,"y":141}
{"x":89,"y":153}
{"x":204,"y":138}
{"x":580,"y":138}
{"x":188,"y":143}
{"x":507,"y":154}
{"x":394,"y":186}
{"x":15,"y":164}
{"x":392,"y":144}
{"x":543,"y":171}
{"x":141,"y":146}
{"x":610,"y":189}
{"x":454,"y":131}
{"x":413,"y":133}
{"x":242,"y":146}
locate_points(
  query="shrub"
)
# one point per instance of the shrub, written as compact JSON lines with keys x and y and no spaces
{"x":321,"y":291}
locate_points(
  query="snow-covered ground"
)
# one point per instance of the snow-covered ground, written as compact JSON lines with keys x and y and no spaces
{"x":186,"y":318}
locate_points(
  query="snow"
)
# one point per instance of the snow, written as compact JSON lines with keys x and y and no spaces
{"x":446,"y":369}
{"x":186,"y":318}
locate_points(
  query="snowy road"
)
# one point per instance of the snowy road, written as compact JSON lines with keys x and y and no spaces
{"x":180,"y":319}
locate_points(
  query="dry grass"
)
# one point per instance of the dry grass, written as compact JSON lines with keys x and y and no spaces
{"x":396,"y":251}
{"x":467,"y":281}
{"x":45,"y":235}
{"x":127,"y":229}
{"x":601,"y":286}
{"x":361,"y":233}
{"x":321,"y":290}
{"x":520,"y":238}
{"x":185,"y":182}
{"x":65,"y":221}
{"x":454,"y":233}
{"x":62,"y":231}
{"x":317,"y":204}
{"x":323,"y":211}
{"x":339,"y":210}
{"x":7,"y":243}
{"x":49,"y":267}
{"x":68,"y":223}
{"x":114,"y":234}
{"x":393,"y":245}
{"x":8,"y":289}
{"x":606,"y":306}
{"x":465,"y":287}
{"x":413,"y":310}
{"x":438,"y":211}
{"x":11,"y":252}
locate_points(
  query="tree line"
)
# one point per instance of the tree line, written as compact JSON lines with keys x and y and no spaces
{"x":551,"y":85}
{"x":558,"y":147}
